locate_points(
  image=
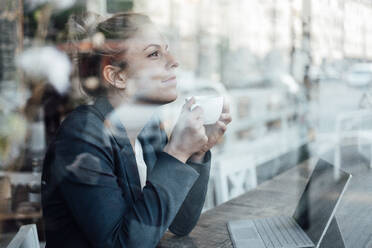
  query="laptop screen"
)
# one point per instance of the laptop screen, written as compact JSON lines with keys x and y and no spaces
{"x":318,"y":202}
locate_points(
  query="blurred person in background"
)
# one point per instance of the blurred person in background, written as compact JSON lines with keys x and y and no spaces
{"x":111,"y":177}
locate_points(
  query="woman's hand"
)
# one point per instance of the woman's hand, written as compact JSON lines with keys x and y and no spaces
{"x":214,"y":133}
{"x":189,"y":134}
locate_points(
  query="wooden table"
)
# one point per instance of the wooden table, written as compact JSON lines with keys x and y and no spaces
{"x":279,"y":196}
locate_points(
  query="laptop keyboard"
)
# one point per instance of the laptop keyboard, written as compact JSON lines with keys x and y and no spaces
{"x":281,"y":232}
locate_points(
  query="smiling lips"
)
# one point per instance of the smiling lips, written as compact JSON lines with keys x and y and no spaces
{"x":171,"y":80}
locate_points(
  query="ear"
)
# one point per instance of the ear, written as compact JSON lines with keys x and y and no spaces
{"x":114,"y":76}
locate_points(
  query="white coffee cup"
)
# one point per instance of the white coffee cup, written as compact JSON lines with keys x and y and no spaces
{"x":212,"y":108}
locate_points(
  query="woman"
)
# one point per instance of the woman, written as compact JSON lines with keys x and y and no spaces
{"x":106,"y":186}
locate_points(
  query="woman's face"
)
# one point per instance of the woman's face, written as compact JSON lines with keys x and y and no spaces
{"x":150,"y":73}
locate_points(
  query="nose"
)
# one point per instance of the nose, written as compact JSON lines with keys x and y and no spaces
{"x":171,"y":61}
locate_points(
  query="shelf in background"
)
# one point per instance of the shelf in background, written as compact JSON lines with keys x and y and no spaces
{"x":20,"y":216}
{"x":21,"y":178}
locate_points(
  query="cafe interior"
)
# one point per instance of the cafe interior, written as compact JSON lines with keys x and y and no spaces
{"x":296,"y":74}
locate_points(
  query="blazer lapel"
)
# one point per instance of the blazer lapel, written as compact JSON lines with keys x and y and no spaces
{"x":117,"y":130}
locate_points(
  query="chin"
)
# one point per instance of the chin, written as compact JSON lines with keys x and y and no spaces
{"x":172,"y":97}
{"x":160,"y":99}
{"x":168,"y":98}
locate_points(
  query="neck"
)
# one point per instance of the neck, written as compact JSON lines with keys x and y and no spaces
{"x":133,"y":114}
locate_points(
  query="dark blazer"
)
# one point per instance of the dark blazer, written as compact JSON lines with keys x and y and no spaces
{"x":91,"y":193}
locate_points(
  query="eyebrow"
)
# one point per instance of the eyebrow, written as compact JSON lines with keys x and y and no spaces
{"x":155,"y":45}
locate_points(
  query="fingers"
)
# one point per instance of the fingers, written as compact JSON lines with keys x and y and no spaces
{"x":205,"y":148}
{"x":197,"y":112}
{"x":205,"y":139}
{"x":195,"y":119}
{"x":225,"y":118}
{"x":190,"y":106}
{"x":189,"y":102}
{"x":193,"y":111}
{"x":222,"y":127}
{"x":226,"y":106}
{"x":194,"y":106}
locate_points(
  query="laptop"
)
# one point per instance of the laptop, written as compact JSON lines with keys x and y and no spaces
{"x":308,"y":225}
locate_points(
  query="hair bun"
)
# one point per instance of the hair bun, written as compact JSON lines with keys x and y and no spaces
{"x":83,"y":26}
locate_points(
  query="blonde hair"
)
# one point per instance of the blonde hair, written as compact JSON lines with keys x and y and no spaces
{"x":96,"y":40}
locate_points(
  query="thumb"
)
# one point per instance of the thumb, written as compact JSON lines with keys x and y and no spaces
{"x":189,"y":102}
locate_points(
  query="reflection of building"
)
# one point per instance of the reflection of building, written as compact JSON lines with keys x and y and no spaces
{"x":340,"y":30}
{"x":212,"y":35}
{"x":358,"y":31}
{"x":327,"y":30}
{"x":208,"y":31}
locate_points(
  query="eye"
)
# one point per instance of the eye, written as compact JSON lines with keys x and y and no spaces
{"x":154,"y":54}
